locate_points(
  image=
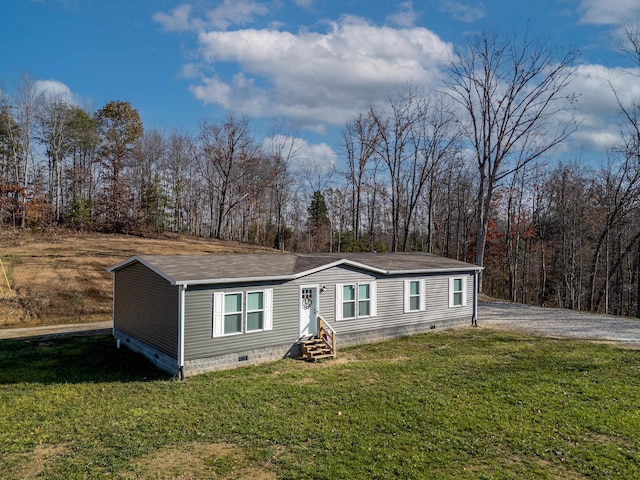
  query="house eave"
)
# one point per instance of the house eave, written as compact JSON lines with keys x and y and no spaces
{"x":435,"y":270}
{"x":285,"y":278}
{"x":217,"y":281}
{"x":141,"y":260}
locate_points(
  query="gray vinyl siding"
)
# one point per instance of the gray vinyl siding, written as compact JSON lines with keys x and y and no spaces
{"x":146,"y":307}
{"x":390,"y":299}
{"x":199,"y":340}
{"x":200,"y":343}
{"x":329,"y":278}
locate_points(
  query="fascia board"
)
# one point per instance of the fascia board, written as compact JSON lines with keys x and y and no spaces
{"x":318,"y":269}
{"x":141,"y":260}
{"x":436,"y":270}
{"x":214,"y":281}
{"x":121,"y":264}
{"x":337,"y":263}
{"x":364,"y":266}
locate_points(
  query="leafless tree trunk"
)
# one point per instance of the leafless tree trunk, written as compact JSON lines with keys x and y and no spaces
{"x":26,"y":112}
{"x":224,"y":146}
{"x":359,"y":140}
{"x":412,"y":141}
{"x":511,"y":90}
{"x":284,"y":148}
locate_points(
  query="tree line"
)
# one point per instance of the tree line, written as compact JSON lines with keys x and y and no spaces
{"x":462,"y":171}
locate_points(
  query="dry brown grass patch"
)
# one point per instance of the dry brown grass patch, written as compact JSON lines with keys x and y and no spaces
{"x":202,"y":461}
{"x":62,"y":278}
{"x":32,"y":465}
{"x":510,"y":467}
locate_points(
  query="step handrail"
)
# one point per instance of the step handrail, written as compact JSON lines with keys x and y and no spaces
{"x":327,"y":334}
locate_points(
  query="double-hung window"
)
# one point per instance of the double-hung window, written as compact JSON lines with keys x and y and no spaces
{"x":255,"y":311}
{"x":235,"y":313}
{"x":232,"y":313}
{"x":355,"y":300}
{"x":414,"y":295}
{"x":348,"y":307}
{"x":364,"y":300}
{"x":457,"y":291}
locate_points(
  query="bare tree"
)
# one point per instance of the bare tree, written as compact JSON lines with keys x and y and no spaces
{"x":435,"y":141}
{"x":283,"y":148}
{"x":11,"y":192}
{"x":359,"y":141}
{"x":511,"y":93}
{"x":412,"y":140}
{"x":150,"y":187}
{"x":399,"y":145}
{"x":27,"y":102}
{"x":225,"y":146}
{"x":569,"y":194}
{"x":56,"y":136}
{"x":83,"y":135}
{"x":179,"y":166}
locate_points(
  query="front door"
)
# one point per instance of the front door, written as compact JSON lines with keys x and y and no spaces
{"x":308,"y":302}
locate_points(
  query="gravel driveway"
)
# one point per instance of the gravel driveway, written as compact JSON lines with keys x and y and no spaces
{"x":559,"y":323}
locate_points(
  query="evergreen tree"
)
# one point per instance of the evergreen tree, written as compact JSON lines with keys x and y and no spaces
{"x":318,"y":224}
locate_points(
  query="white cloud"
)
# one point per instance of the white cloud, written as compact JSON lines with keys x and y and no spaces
{"x":315,"y":158}
{"x":317,"y":78}
{"x":462,"y":11}
{"x":53,"y":90}
{"x":597,"y":107}
{"x":318,"y":157}
{"x":405,"y":17}
{"x":213,"y":88}
{"x":176,"y":21}
{"x":610,"y":12}
{"x":226,"y":14}
{"x":235,"y":12}
{"x":190,"y":71}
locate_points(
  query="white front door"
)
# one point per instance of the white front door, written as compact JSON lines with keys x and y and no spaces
{"x":308,"y":304}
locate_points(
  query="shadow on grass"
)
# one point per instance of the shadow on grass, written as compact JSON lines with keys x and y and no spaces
{"x":72,"y":359}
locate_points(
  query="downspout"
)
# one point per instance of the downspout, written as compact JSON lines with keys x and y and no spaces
{"x":474,"y":315}
{"x":113,"y":305}
{"x":181,"y":294}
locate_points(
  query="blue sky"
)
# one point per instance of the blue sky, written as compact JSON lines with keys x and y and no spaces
{"x":311,"y":61}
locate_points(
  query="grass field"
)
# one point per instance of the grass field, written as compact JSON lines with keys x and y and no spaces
{"x":466,"y":403}
{"x":63,"y":278}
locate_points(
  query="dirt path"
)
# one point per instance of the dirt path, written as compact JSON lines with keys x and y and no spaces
{"x":71,"y":329}
{"x":559,"y":323}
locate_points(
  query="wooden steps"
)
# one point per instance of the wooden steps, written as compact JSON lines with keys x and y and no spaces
{"x":315,"y":349}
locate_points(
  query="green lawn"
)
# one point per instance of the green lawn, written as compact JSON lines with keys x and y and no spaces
{"x":468,"y":403}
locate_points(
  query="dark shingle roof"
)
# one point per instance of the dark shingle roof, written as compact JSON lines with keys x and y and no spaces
{"x":201,"y":269}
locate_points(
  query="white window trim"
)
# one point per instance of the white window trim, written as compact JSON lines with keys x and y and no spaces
{"x":373,"y":300}
{"x":452,"y":292}
{"x":241,"y":312}
{"x":370,"y":299}
{"x":354,"y":301}
{"x":247,"y":311}
{"x":407,"y":295}
{"x":219,"y":313}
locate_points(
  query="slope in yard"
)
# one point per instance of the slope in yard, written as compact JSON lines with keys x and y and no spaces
{"x":62,"y":278}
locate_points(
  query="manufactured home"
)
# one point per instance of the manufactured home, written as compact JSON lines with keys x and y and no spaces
{"x":191,"y":314}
